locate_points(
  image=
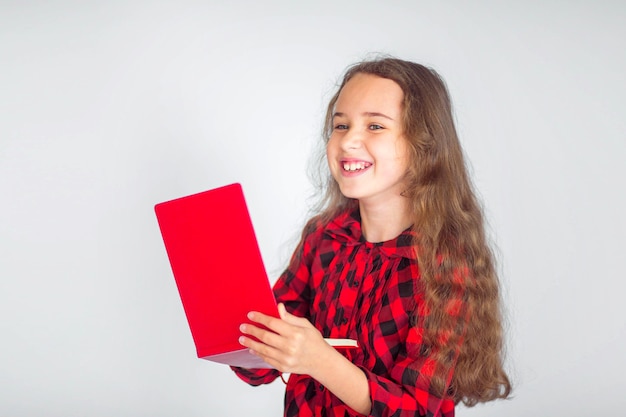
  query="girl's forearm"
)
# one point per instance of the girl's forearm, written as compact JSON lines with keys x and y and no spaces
{"x":345,"y":380}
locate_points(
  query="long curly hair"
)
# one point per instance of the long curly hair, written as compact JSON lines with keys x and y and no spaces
{"x":453,"y":253}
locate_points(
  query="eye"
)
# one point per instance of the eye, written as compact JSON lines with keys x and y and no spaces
{"x":340,"y":126}
{"x":375,"y":126}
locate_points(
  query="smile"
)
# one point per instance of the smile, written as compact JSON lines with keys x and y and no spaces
{"x":353,"y":166}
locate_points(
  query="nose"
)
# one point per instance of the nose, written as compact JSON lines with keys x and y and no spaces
{"x":351,"y":139}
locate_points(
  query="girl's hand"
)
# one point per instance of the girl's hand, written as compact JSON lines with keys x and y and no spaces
{"x":293,"y":345}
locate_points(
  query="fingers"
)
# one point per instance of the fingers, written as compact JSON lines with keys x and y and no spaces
{"x":289,"y":343}
{"x":284,"y":357}
{"x":274,"y":324}
{"x":265,"y":351}
{"x":265,"y":336}
{"x":267,"y":345}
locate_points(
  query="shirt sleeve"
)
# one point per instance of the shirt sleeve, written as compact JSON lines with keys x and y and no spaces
{"x":256,"y":377}
{"x":405,"y":392}
{"x":292,"y":289}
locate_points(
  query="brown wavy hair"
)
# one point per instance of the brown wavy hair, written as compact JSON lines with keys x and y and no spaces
{"x":453,"y":253}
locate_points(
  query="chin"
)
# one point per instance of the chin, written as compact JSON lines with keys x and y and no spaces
{"x":350,"y":193}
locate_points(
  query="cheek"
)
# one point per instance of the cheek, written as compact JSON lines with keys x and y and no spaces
{"x":403,"y":154}
{"x":331,"y":149}
{"x":402,"y":148}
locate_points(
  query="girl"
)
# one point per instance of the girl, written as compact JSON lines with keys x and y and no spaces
{"x":397,"y":259}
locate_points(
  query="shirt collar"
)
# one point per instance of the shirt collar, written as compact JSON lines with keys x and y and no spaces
{"x":346,"y":230}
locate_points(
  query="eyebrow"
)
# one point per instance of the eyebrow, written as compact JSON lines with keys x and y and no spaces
{"x":367,"y":114}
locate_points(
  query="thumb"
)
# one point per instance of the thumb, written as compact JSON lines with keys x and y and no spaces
{"x":290,"y":318}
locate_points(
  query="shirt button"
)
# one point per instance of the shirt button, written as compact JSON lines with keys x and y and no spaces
{"x":321,"y":387}
{"x":344,"y":321}
{"x":355,"y":283}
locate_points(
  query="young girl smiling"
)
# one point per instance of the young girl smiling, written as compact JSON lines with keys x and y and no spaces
{"x":397,"y":259}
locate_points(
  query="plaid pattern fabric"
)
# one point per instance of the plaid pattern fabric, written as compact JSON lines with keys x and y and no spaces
{"x":350,"y":288}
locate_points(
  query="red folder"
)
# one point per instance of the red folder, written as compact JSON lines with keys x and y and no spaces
{"x":219,"y":272}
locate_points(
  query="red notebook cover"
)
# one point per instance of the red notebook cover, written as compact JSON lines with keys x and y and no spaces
{"x":219,"y":272}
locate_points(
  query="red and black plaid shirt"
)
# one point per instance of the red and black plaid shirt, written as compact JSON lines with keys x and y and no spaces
{"x":350,"y":288}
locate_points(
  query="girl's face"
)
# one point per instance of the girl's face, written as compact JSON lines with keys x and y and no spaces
{"x":367,"y":152}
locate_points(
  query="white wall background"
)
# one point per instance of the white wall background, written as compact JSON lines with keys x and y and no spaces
{"x":109,"y":107}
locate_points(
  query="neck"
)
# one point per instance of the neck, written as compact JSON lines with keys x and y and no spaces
{"x":383,"y":222}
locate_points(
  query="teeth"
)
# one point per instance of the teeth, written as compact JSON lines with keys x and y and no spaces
{"x":355,"y":166}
